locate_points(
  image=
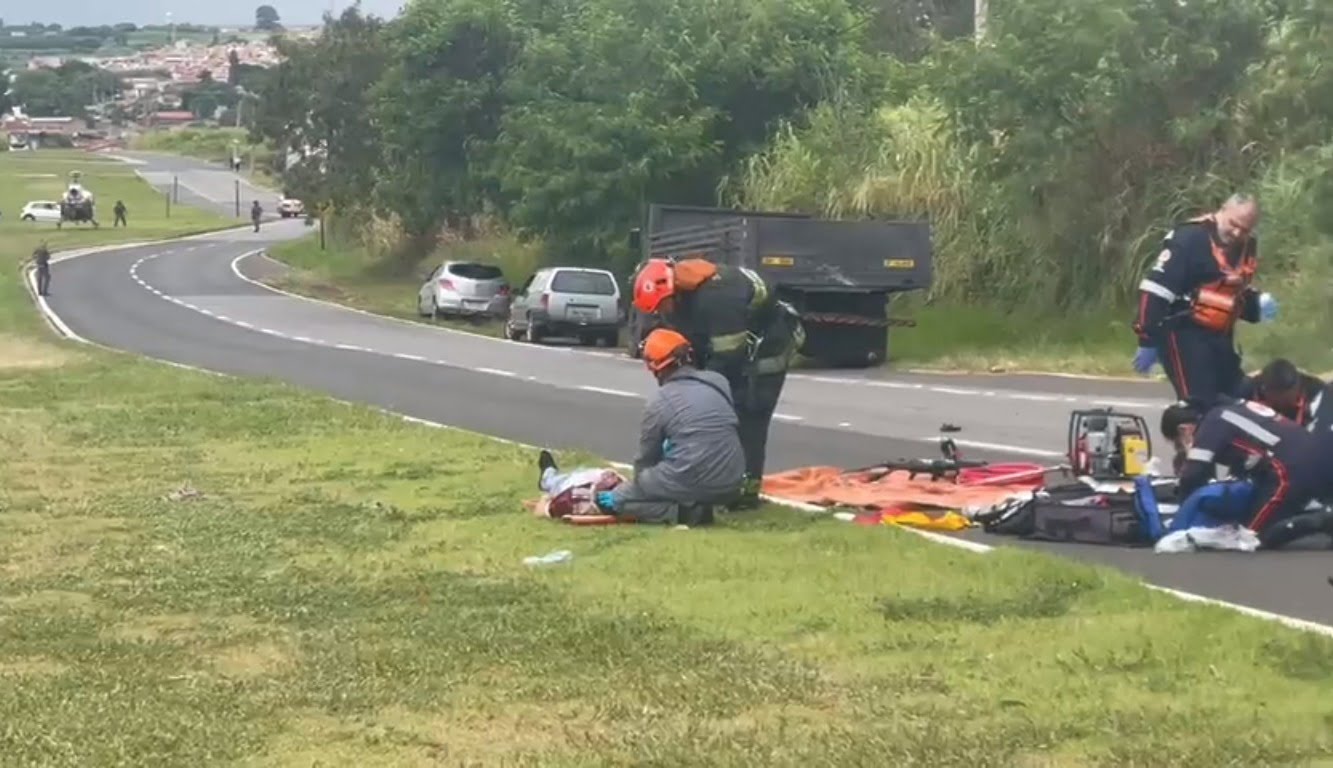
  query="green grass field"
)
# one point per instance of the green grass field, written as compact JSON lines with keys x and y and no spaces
{"x":203,"y":570}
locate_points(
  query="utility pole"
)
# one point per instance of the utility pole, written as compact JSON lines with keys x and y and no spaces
{"x":980,"y":10}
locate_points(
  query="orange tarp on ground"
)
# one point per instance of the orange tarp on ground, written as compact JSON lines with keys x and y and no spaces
{"x":890,"y":496}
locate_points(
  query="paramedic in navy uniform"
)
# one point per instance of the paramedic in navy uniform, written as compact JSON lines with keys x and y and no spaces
{"x":1191,"y":298}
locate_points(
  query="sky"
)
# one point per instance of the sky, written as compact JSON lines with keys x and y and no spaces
{"x":71,"y":13}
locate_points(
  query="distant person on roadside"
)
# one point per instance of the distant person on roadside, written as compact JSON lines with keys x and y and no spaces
{"x":256,"y":211}
{"x":41,"y":256}
{"x":120,"y":215}
{"x":690,"y":457}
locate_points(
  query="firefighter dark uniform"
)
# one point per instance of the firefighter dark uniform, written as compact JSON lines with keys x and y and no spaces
{"x":1287,"y":466}
{"x":737,"y":328}
{"x":1188,"y":306}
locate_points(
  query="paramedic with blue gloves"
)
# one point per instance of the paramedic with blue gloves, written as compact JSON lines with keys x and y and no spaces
{"x":1286,"y":466}
{"x":1191,"y":298}
{"x":690,"y":456}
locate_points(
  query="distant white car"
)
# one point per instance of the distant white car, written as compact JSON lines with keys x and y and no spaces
{"x":289,"y":207}
{"x":41,"y":210}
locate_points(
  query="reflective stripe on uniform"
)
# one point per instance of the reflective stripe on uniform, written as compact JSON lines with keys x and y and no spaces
{"x":729,"y":342}
{"x":768,"y":365}
{"x":1156,"y":289}
{"x":760,"y":287}
{"x":1250,"y":428}
{"x":1199,"y":454}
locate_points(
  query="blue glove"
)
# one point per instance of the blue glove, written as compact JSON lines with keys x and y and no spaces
{"x":1145,"y":359}
{"x":666,"y":446}
{"x":1267,"y":307}
{"x":605,"y":501}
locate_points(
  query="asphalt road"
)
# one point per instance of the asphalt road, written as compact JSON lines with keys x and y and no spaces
{"x":191,"y":302}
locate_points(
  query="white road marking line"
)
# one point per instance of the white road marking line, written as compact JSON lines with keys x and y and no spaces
{"x":952,"y":541}
{"x":915,"y":386}
{"x":845,"y":424}
{"x":496,"y":372}
{"x":788,"y":417}
{"x":1002,"y":447}
{"x":604,"y":391}
{"x":399,"y":355}
{"x":1289,"y":621}
{"x":351,"y":347}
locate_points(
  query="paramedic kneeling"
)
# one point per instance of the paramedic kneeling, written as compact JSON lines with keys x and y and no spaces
{"x":690,"y":456}
{"x":1189,"y":302}
{"x":1298,"y":396}
{"x":1286,"y":465}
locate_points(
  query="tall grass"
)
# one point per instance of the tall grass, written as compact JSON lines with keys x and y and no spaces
{"x":895,"y":162}
{"x":996,"y":250}
{"x":1296,"y":258}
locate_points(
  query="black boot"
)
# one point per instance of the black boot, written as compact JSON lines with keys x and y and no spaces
{"x":545,"y":461}
{"x":696,"y":515}
{"x":1296,"y":527}
{"x":748,"y":497}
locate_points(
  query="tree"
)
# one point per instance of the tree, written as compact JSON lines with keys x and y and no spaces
{"x":441,"y":104}
{"x":65,"y":91}
{"x":317,"y":104}
{"x":266,"y":18}
{"x":636,"y":100}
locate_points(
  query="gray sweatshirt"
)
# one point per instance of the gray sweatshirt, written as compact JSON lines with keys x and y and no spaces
{"x":705,"y":463}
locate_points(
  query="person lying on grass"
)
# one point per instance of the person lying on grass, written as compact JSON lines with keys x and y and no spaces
{"x":571,"y":494}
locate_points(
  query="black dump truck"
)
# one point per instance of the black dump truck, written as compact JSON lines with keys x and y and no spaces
{"x":838,"y":275}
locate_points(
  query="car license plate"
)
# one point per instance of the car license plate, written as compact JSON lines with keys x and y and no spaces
{"x":581,"y":314}
{"x":474,"y":304}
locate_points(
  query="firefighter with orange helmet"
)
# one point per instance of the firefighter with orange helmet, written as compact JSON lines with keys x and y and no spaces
{"x":1192,"y":297}
{"x":690,"y":455}
{"x":736,"y":327}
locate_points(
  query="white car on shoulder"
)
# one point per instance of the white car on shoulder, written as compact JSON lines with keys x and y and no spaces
{"x":41,"y":210}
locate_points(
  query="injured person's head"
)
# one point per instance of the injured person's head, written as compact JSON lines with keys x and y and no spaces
{"x":1179,"y":421}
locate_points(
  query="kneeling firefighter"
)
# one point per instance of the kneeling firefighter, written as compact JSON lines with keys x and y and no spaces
{"x":738,"y":328}
{"x":1190,"y":300}
{"x":690,"y":455}
{"x":1284,"y":466}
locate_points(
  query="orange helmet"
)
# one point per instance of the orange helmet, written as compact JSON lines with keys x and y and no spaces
{"x":664,"y":348}
{"x":655,"y":283}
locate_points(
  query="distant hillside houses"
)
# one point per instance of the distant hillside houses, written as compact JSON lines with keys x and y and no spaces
{"x":185,"y":62}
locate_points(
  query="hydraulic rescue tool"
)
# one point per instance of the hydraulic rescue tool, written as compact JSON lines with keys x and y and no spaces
{"x":1105,"y":444}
